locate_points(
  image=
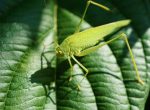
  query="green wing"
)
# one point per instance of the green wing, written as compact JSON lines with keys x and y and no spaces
{"x":92,"y":36}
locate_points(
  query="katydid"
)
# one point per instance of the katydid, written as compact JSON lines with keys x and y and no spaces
{"x":85,"y":42}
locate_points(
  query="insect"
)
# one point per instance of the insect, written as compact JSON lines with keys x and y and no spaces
{"x":85,"y":42}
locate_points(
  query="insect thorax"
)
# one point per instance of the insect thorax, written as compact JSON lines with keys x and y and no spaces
{"x":63,"y":49}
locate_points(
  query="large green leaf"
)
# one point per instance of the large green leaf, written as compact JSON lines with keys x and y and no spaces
{"x":31,"y":78}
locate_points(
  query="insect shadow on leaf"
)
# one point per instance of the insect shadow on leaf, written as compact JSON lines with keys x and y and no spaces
{"x":20,"y":80}
{"x":46,"y":75}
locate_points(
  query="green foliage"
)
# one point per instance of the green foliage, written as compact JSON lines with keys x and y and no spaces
{"x":33,"y":80}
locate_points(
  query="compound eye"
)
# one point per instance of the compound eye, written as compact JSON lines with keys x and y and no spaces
{"x":59,"y":52}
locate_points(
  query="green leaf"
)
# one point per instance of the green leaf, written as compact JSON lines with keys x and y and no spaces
{"x":33,"y":78}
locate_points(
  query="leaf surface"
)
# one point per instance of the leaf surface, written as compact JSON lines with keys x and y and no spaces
{"x":33,"y":78}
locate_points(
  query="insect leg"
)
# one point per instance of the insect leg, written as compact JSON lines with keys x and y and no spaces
{"x":69,"y":60}
{"x":89,"y":50}
{"x":83,"y":67}
{"x":132,"y":57}
{"x":84,"y":13}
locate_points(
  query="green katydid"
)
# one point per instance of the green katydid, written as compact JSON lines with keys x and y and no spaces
{"x":85,"y":42}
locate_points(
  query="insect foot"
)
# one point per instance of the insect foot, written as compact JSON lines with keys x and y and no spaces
{"x":140,"y":80}
{"x":87,"y":71}
{"x":78,"y":87}
{"x":70,"y":78}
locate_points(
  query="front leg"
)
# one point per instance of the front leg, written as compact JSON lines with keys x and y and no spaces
{"x":71,"y":66}
{"x":69,"y":60}
{"x":83,"y":67}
